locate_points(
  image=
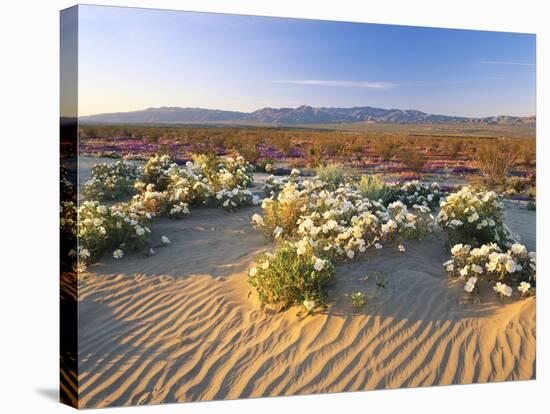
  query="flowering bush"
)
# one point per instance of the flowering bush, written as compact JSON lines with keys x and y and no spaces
{"x":162,"y":203}
{"x":341,"y":223}
{"x":225,"y":173}
{"x":274,"y":185}
{"x":169,"y":190}
{"x":101,"y":228}
{"x":410,"y":225}
{"x":282,"y":212}
{"x":474,"y":217}
{"x":236,"y":198}
{"x":189,"y":185}
{"x":111,"y":181}
{"x":310,"y":219}
{"x":515,"y":268}
{"x":68,"y":229}
{"x":291,"y":276}
{"x":418,"y":193}
{"x":157,"y":171}
{"x":164,"y":189}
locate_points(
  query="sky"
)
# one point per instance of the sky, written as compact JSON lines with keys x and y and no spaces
{"x":132,"y":59}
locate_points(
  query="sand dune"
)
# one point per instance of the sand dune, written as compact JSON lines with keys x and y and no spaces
{"x":181,"y":326}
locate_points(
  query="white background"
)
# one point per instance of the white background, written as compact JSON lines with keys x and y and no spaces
{"x":29,"y":204}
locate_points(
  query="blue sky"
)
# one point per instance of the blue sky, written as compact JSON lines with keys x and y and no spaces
{"x":132,"y":59}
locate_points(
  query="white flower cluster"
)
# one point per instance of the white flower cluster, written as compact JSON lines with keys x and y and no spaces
{"x":157,"y":170}
{"x":340,"y":223}
{"x":473,"y":216}
{"x":164,"y":189}
{"x":111,"y":181}
{"x":210,"y":181}
{"x":274,"y":185}
{"x":101,"y":228}
{"x":514,"y":267}
{"x":237,"y":197}
{"x":419,"y":193}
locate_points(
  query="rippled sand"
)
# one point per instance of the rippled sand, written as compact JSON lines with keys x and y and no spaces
{"x":184,"y":326}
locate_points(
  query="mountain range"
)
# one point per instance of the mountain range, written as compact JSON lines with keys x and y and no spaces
{"x":302,"y":115}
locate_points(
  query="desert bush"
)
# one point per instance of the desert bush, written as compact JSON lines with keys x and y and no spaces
{"x":68,"y":218}
{"x":107,"y":154}
{"x":162,"y":203}
{"x":340,"y":229}
{"x":495,"y":161}
{"x":281,"y":212}
{"x":528,"y":153}
{"x":357,"y":299}
{"x":208,"y":181}
{"x":313,"y":155}
{"x":226,"y":173}
{"x":341,"y":223}
{"x":135,"y":157}
{"x":375,"y":189}
{"x":249,"y":152}
{"x":412,"y":158}
{"x":455,"y":148}
{"x":157,"y":171}
{"x":236,"y":198}
{"x":333,"y":174}
{"x":415,"y":225}
{"x":473,"y":217}
{"x":504,"y":271}
{"x":419,"y":193}
{"x":112,"y":181}
{"x":283,"y":143}
{"x":274,"y":185}
{"x":265,"y":165}
{"x":516,"y":184}
{"x":101,"y":228}
{"x":385,"y":147}
{"x":291,"y":276}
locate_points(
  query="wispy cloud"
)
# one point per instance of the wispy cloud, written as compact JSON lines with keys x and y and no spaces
{"x":345,"y":83}
{"x":490,"y":62}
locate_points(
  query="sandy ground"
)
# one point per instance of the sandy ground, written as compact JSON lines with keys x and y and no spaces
{"x":183,"y":325}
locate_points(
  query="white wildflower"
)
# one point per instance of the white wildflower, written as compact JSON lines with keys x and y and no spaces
{"x":502,"y":289}
{"x":524,"y":287}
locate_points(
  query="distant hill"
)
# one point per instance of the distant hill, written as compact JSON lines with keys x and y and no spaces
{"x":301,"y":115}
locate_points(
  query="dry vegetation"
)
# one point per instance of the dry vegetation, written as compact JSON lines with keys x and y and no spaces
{"x":490,"y":161}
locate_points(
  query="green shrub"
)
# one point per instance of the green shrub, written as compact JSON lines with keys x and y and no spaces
{"x":291,"y":277}
{"x":357,"y":299}
{"x":333,"y":174}
{"x":375,"y":189}
{"x":265,"y":165}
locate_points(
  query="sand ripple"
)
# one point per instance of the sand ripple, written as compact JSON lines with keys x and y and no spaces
{"x":181,"y":327}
